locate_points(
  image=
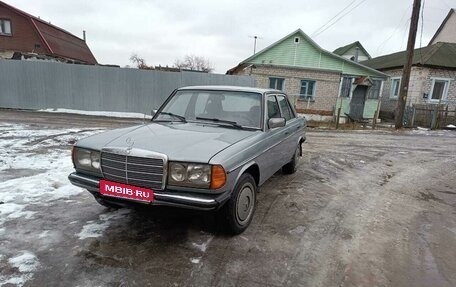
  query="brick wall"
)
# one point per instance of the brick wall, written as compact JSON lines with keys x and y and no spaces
{"x":23,"y":36}
{"x":420,"y":83}
{"x":326,"y":89}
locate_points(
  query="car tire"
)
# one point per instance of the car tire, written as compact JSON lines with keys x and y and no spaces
{"x":237,"y":213}
{"x":292,"y":166}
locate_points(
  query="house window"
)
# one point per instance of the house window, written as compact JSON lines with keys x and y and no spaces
{"x":307,"y":90}
{"x":276,"y":83}
{"x":5,"y":27}
{"x":345,"y":89}
{"x":374,"y":90}
{"x":439,"y":89}
{"x":395,"y":86}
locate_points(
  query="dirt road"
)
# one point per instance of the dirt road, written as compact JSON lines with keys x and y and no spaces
{"x":364,"y":209}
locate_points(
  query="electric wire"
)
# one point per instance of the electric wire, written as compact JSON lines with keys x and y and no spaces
{"x":406,"y":11}
{"x":337,"y":20}
{"x":329,"y":21}
{"x":421,"y":34}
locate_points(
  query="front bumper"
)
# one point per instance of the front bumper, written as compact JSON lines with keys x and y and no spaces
{"x":166,"y":198}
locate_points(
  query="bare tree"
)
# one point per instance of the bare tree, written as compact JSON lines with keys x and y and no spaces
{"x":192,"y":62}
{"x":139,"y":62}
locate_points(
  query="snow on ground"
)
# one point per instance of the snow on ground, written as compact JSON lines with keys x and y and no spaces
{"x":34,"y":168}
{"x":94,"y":229}
{"x":44,"y":158}
{"x":99,"y":113}
{"x":26,"y":263}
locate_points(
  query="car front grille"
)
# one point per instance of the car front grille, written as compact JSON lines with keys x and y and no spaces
{"x":148,"y":172}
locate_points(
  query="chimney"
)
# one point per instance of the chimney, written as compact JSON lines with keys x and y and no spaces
{"x":84,"y":35}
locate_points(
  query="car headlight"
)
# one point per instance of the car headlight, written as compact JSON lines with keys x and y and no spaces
{"x":196,"y":175}
{"x":86,"y":159}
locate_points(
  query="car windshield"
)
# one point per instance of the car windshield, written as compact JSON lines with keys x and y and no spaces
{"x":237,"y":109}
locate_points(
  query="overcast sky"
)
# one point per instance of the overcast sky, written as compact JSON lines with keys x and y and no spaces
{"x":165,"y":30}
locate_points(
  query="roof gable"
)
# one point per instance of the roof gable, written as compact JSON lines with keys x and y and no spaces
{"x":442,"y":27}
{"x":347,"y":48}
{"x":64,"y":44}
{"x":305,"y":53}
{"x":58,"y":41}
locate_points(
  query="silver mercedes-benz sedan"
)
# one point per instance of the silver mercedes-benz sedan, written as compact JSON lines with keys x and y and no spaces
{"x":207,"y":148}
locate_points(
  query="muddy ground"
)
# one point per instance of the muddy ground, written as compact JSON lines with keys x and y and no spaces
{"x":366,"y":208}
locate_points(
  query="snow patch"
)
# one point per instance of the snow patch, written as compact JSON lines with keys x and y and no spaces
{"x":44,"y":234}
{"x":26,"y":262}
{"x":203,"y":246}
{"x":95,"y":229}
{"x":298,"y":230}
{"x":195,"y":260}
{"x":27,"y":148}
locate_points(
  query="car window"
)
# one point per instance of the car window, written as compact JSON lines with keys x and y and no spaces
{"x":201,"y":103}
{"x":285,"y":107}
{"x":177,"y":105}
{"x":244,"y":108}
{"x":273,"y":108}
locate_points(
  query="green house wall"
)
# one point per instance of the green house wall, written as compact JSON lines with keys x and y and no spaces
{"x":370,"y":106}
{"x":306,"y":55}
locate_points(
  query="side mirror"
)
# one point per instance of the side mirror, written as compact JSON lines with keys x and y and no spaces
{"x":153,"y":112}
{"x":276,"y":123}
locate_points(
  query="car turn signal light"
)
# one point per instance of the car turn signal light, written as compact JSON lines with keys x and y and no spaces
{"x":218,"y":177}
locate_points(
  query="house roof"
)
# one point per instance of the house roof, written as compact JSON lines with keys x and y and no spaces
{"x":58,"y":41}
{"x":343,"y":60}
{"x":440,"y":54}
{"x":344,"y":49}
{"x":442,"y":25}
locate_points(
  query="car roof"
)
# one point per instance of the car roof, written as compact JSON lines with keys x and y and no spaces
{"x":231,"y":88}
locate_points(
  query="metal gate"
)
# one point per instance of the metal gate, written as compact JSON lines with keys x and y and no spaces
{"x":357,"y":102}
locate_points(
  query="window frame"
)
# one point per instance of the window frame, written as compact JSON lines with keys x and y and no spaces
{"x":275,"y":86}
{"x":304,"y":98}
{"x":292,"y":114}
{"x":341,"y":86}
{"x":392,"y":96}
{"x":445,"y":89}
{"x":10,"y":26}
{"x":370,"y":91}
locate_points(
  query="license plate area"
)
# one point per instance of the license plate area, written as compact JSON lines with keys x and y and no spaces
{"x":126,"y":191}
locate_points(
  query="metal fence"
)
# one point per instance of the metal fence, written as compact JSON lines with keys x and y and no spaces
{"x":434,"y":116}
{"x":42,"y":85}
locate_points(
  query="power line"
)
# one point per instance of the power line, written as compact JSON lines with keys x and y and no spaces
{"x":337,"y":20}
{"x":329,"y":21}
{"x":396,"y":29}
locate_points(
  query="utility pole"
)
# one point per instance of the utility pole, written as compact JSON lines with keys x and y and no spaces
{"x":408,"y":65}
{"x":254,"y":42}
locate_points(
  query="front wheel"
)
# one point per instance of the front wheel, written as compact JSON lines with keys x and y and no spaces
{"x":238,"y":212}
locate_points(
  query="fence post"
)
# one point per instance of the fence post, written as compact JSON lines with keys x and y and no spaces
{"x":338,"y":117}
{"x":434,"y":117}
{"x":412,"y":122}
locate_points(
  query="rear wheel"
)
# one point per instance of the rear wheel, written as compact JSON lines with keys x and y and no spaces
{"x":292,"y":166}
{"x":237,"y":213}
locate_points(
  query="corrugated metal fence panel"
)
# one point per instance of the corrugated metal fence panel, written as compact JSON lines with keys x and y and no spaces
{"x":43,"y":85}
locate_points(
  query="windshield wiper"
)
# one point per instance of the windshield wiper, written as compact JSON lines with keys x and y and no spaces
{"x":232,"y":123}
{"x":181,"y":118}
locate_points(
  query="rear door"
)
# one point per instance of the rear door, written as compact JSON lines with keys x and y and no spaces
{"x":291,"y":136}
